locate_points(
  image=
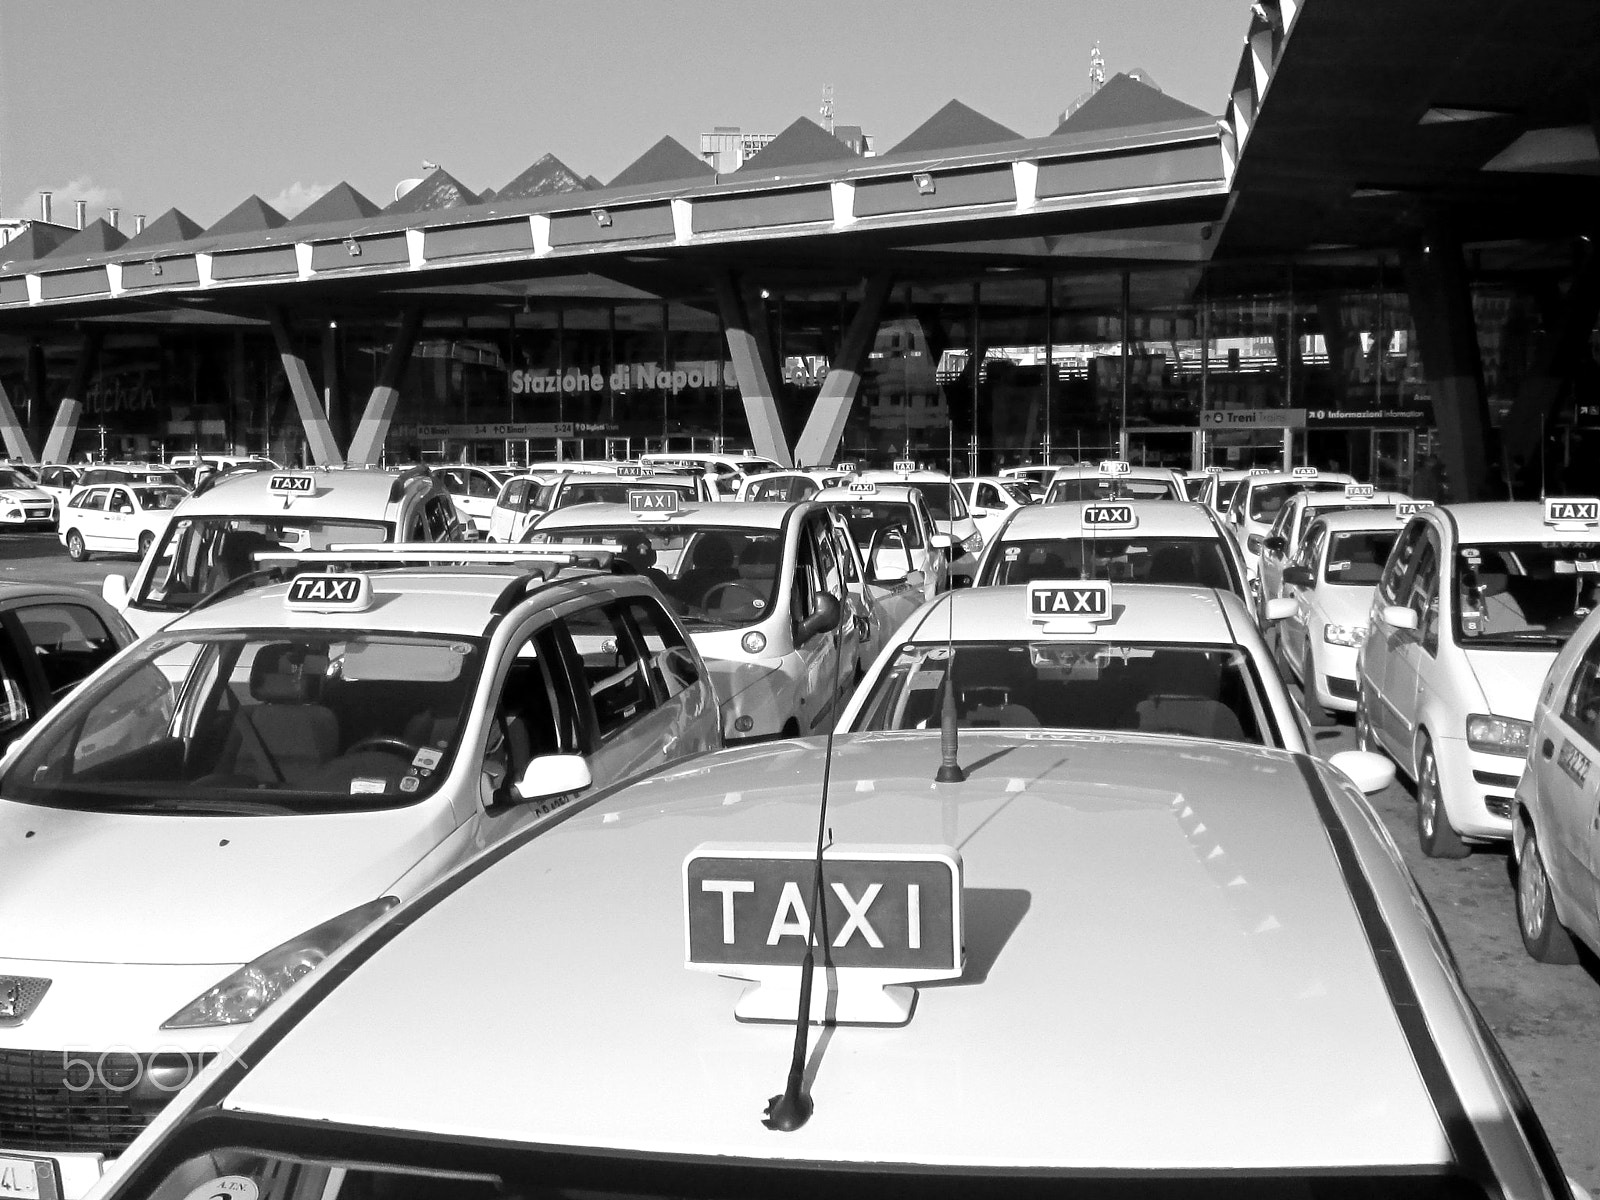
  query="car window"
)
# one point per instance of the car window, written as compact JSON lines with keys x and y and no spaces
{"x":93,"y":500}
{"x":989,"y":497}
{"x":830,"y":578}
{"x":121,"y":501}
{"x":441,"y":517}
{"x":672,"y":663}
{"x":1399,"y":563}
{"x":1281,"y":527}
{"x":614,"y":673}
{"x":1582,"y":707}
{"x":1201,"y":562}
{"x":1357,"y":557}
{"x":481,"y":487}
{"x":1532,"y":594}
{"x":537,"y":712}
{"x":15,"y":708}
{"x":1422,"y":592}
{"x":70,"y":641}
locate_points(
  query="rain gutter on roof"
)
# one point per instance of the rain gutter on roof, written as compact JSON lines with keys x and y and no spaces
{"x":1025,"y":177}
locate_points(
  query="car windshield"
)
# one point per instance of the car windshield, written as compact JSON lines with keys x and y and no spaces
{"x":1021,"y":492}
{"x":270,"y":721}
{"x":1225,"y":490}
{"x":199,"y":555}
{"x":14,"y":479}
{"x":160,"y":497}
{"x":868,"y":519}
{"x":782,"y":489}
{"x":1194,"y":486}
{"x":1524,"y":593}
{"x":1096,"y":487}
{"x":715,"y":576}
{"x":1201,"y":562}
{"x":1199,"y":691}
{"x":1267,"y":498}
{"x":1357,"y":558}
{"x":943,"y":499}
{"x":617,"y":492}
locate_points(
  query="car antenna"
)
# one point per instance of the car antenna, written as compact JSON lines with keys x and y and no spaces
{"x":949,"y":738}
{"x":792,"y":1108}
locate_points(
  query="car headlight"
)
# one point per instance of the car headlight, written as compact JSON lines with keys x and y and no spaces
{"x":244,"y":995}
{"x":754,"y":642}
{"x":1344,"y":635}
{"x":973,"y":544}
{"x":1498,"y":735}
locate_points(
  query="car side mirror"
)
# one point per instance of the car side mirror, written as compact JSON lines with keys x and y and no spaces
{"x":553,"y":775}
{"x":1368,"y":771}
{"x":824,"y":619}
{"x":1299,"y":576}
{"x":914,"y":579}
{"x":114,"y":591}
{"x":943,"y":541}
{"x":1280,"y":608}
{"x":1398,"y":616}
{"x":1277,"y":544}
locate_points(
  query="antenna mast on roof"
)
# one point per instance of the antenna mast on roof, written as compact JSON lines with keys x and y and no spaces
{"x":827,"y":107}
{"x":1097,"y":69}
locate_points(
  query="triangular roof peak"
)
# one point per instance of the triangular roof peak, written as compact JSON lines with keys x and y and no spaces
{"x":36,"y":241}
{"x":251,"y":216}
{"x":439,"y":189}
{"x":1125,"y":101}
{"x":547,"y":177}
{"x":952,"y":126}
{"x":97,"y":237}
{"x":803,"y":143}
{"x":668,"y":161}
{"x":339,"y":203}
{"x":171,"y":226}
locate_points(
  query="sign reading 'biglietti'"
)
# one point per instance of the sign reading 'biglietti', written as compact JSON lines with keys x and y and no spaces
{"x":626,"y":377}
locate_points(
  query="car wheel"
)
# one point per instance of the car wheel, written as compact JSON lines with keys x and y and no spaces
{"x":1543,"y":935}
{"x":1437,"y":838}
{"x":145,"y":540}
{"x":76,"y":550}
{"x":1315,"y":712}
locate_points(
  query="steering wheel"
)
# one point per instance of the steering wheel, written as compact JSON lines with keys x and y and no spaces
{"x":716,"y":589}
{"x":382,"y":741}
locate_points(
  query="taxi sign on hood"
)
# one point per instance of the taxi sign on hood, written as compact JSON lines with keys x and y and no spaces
{"x":329,"y":591}
{"x":1069,"y":605}
{"x":1109,"y":516}
{"x":661,"y":502}
{"x":893,"y":918}
{"x":1115,"y":467}
{"x":1581,"y":512}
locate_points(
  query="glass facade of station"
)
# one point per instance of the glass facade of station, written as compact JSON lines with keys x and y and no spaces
{"x":1199,"y":365}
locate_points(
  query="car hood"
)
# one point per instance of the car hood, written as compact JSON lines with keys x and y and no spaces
{"x":23,"y":496}
{"x":141,"y":888}
{"x":1510,"y":679}
{"x":1345,"y":605}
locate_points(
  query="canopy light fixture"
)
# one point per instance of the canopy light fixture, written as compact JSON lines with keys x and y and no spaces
{"x":155,"y":267}
{"x":352,"y":247}
{"x":602,"y":218}
{"x":924,"y":182}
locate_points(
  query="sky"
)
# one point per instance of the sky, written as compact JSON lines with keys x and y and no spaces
{"x":200,"y":103}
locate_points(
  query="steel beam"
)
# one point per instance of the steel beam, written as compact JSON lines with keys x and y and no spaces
{"x":367,"y":445}
{"x":819,"y":441}
{"x":17,"y":445}
{"x":58,"y":446}
{"x":753,"y":370}
{"x":319,"y":436}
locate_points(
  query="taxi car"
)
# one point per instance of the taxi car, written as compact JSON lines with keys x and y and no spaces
{"x":1128,"y":541}
{"x":613,"y":487}
{"x":1153,"y":659}
{"x":991,"y":499}
{"x":949,"y":511}
{"x":211,"y":538}
{"x":1473,"y":605}
{"x":1216,"y":943}
{"x":1258,"y":499}
{"x":285,"y":765}
{"x":129,"y":472}
{"x":1220,"y":483}
{"x":58,"y":481}
{"x":905,"y":559}
{"x":119,"y":519}
{"x":473,"y":490}
{"x":518,"y":505}
{"x":788,"y":486}
{"x":1326,"y":602}
{"x":1114,"y":479}
{"x":1555,"y":840}
{"x":1282,"y":542}
{"x":763,"y":590}
{"x":23,"y":502}
{"x":1034,"y":475}
{"x":725,"y":472}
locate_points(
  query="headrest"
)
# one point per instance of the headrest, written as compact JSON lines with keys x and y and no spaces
{"x":284,"y":673}
{"x":714,"y":552}
{"x":1183,"y":673}
{"x":760,"y":554}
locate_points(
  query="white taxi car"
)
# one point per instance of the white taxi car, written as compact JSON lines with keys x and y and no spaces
{"x":762,"y":588}
{"x":1220,"y":484}
{"x":1472,"y":607}
{"x":1326,"y":601}
{"x":614,"y":487}
{"x":473,"y":489}
{"x":905,"y":559}
{"x":212,"y":537}
{"x":1259,"y":497}
{"x":518,"y":505}
{"x":991,"y":499}
{"x":1127,"y":541}
{"x":1282,"y":542}
{"x":119,"y":519}
{"x":725,"y":472}
{"x":788,"y":487}
{"x":1085,"y":654}
{"x":23,"y":502}
{"x":1554,"y":831}
{"x":1216,"y":942}
{"x":1037,"y":475}
{"x":948,"y":508}
{"x":286,"y":765}
{"x":1114,"y":479}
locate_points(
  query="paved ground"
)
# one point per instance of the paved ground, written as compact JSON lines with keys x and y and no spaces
{"x":1547,"y":1018}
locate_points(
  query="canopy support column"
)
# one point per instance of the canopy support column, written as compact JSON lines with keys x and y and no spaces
{"x":319,"y":435}
{"x":819,"y":441}
{"x":58,"y":446}
{"x":753,"y":370}
{"x":1441,"y":309}
{"x":17,"y":445}
{"x":367,"y":445}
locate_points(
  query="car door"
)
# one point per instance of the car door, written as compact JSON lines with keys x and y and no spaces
{"x":1566,"y":764}
{"x":1274,"y":557}
{"x":690,"y":721}
{"x":1412,"y":659}
{"x":1294,"y":629}
{"x":1372,"y":663}
{"x":820,"y":665}
{"x":870,"y":619}
{"x":88,"y":516}
{"x":121,"y":528}
{"x":988,"y":508}
{"x":629,"y":722}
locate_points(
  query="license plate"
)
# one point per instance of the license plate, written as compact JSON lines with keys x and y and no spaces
{"x":28,"y":1178}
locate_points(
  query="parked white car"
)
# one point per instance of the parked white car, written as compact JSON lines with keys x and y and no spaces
{"x":116,"y":519}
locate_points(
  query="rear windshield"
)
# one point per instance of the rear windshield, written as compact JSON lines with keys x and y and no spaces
{"x":1202,"y":562}
{"x":1358,"y":558}
{"x":1094,"y":487}
{"x":616,"y":493}
{"x":943,"y":499}
{"x":1268,"y":498}
{"x":1184,"y":688}
{"x":1532,"y":594}
{"x":869,"y":519}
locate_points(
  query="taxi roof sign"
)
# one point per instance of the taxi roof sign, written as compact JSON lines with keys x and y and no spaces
{"x":1410,"y":508}
{"x":1572,"y":512}
{"x":329,"y":591}
{"x":1109,"y":516}
{"x":633,"y":471}
{"x":1213,"y":470}
{"x":1359,"y":491}
{"x":1069,"y":605}
{"x":894,"y":918}
{"x":1115,"y":467}
{"x":1261,"y":470}
{"x":292,"y":483}
{"x":659,"y":502}
{"x":862,"y":485}
{"x":848,"y":467}
{"x":1304,"y":472}
{"x":904,"y":466}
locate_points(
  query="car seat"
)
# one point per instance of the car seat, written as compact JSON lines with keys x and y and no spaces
{"x":1171,"y":564}
{"x":288,"y":733}
{"x":1187,"y":700}
{"x":996,"y":688}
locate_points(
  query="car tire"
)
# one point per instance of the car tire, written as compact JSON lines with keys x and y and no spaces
{"x":1365,"y":738}
{"x":76,"y":550}
{"x":1543,"y":936}
{"x":1315,"y":712}
{"x":146,"y":540}
{"x":1434,"y":834}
